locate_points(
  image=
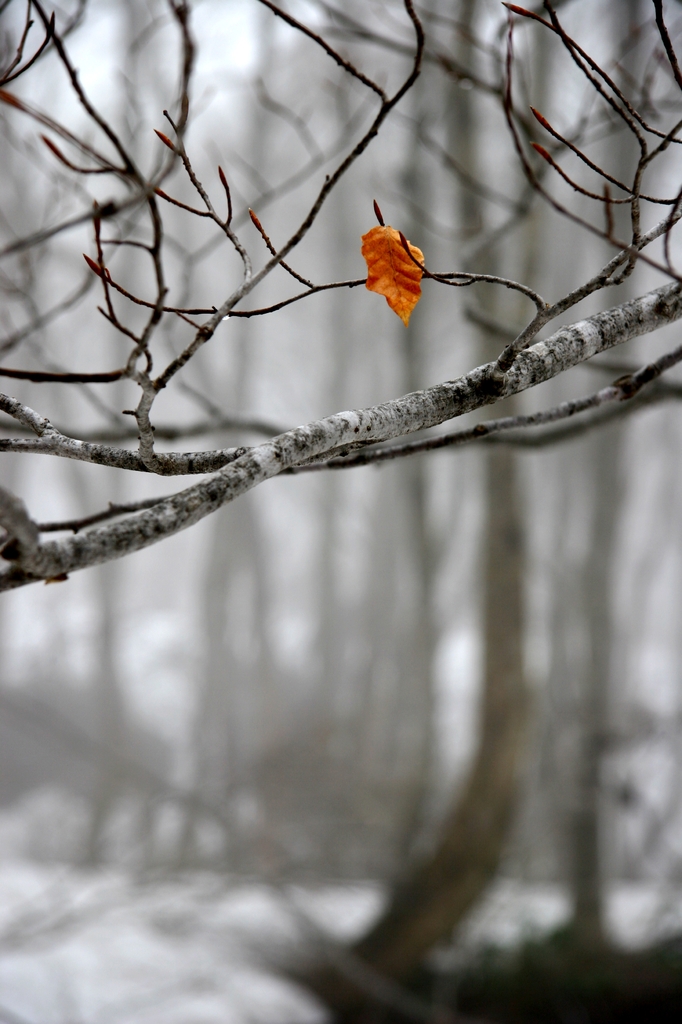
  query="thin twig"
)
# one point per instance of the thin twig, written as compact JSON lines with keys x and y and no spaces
{"x":114,"y":510}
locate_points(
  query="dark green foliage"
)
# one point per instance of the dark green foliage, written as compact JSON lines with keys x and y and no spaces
{"x":554,"y":981}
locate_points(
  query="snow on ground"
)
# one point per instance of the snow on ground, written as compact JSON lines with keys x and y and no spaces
{"x":638,"y":914}
{"x":79,"y":947}
{"x":103,"y":947}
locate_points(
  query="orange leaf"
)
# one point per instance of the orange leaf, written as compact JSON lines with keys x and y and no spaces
{"x":391,"y":272}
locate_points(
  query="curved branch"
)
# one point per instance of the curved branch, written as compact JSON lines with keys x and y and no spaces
{"x":609,"y":403}
{"x":416,"y":411}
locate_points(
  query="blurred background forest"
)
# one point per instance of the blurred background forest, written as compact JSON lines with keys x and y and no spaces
{"x":455,"y":677}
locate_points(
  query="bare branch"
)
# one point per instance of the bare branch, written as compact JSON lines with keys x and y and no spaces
{"x":40,"y":377}
{"x":344,"y":431}
{"x":667,"y":42}
{"x":514,"y":430}
{"x":76,"y":525}
{"x":346,"y":65}
{"x":10,"y":74}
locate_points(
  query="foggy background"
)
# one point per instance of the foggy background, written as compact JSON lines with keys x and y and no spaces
{"x":238,"y":740}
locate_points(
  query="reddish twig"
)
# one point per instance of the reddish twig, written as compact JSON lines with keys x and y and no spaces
{"x":10,"y":75}
{"x":589,"y":163}
{"x":285,"y":266}
{"x":228,"y":194}
{"x":183,"y":206}
{"x":546,"y":155}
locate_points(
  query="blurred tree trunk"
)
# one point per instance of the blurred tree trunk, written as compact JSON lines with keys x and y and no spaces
{"x":234,"y":720}
{"x":584,"y":827}
{"x":234,"y":717}
{"x":418,"y":654}
{"x":340,"y":699}
{"x":112,"y":723}
{"x":110,"y":720}
{"x":435,"y":896}
{"x":586,"y":841}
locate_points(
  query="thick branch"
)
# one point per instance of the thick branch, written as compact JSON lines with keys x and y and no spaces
{"x":570,"y":346}
{"x":22,"y":532}
{"x":599,"y":408}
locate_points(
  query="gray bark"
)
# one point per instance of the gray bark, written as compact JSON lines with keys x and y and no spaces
{"x":542,"y":361}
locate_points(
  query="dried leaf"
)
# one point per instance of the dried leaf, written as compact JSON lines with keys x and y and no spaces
{"x":391,"y":272}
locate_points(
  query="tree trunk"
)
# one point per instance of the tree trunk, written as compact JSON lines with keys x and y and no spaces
{"x":429,"y":903}
{"x":584,"y":826}
{"x":604,"y":467}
